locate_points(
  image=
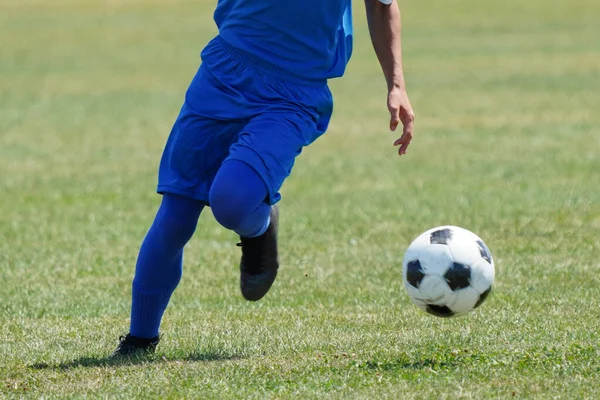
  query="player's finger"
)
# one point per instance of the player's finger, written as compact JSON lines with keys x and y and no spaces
{"x":408,"y":123}
{"x":402,"y":149}
{"x":407,"y":132}
{"x":395,"y":118}
{"x":403,"y":142}
{"x":405,"y":138}
{"x":400,"y":141}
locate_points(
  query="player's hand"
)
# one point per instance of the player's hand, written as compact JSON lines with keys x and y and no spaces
{"x":401,"y":112}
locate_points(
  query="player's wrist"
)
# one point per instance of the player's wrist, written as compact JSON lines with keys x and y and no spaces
{"x":396,"y":86}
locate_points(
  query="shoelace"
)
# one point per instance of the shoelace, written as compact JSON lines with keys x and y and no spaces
{"x":122,"y":340}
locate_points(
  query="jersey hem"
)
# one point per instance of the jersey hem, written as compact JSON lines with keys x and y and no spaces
{"x":250,"y":60}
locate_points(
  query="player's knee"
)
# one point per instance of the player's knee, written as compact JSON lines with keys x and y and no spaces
{"x":229,"y":209}
{"x":236,"y":196}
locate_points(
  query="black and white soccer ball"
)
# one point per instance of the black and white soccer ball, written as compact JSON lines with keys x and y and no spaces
{"x":448,"y":271}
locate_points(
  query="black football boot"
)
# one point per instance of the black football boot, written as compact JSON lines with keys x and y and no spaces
{"x":260,"y":261}
{"x":133,"y":346}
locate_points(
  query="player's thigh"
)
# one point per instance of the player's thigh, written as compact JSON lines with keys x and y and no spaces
{"x":194,"y":152}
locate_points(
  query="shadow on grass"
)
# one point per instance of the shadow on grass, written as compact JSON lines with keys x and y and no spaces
{"x":134,"y":360}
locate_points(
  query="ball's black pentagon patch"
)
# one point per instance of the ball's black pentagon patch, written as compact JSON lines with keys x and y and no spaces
{"x":482,"y":297}
{"x":458,"y":276}
{"x":439,"y":311}
{"x":484,"y":251}
{"x":443,"y":236}
{"x":414,"y":273}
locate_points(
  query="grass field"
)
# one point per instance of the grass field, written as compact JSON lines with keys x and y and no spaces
{"x":507,"y":145}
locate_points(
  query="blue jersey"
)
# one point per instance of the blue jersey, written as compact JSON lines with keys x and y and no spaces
{"x":310,"y":39}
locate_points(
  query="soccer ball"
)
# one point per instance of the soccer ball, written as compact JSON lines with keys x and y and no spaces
{"x":448,"y":271}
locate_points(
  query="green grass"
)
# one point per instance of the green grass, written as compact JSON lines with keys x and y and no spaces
{"x":507,"y":145}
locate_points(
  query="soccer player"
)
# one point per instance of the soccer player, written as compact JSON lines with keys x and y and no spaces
{"x":259,"y":96}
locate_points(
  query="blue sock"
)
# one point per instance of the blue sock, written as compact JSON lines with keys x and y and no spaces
{"x":238,"y":199}
{"x":159,"y":265}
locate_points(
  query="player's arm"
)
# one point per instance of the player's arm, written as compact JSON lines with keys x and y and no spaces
{"x":385,"y":28}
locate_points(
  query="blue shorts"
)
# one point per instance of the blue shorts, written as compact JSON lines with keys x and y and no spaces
{"x":238,"y":107}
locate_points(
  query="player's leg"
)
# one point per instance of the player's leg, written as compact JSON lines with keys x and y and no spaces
{"x":246,"y":189}
{"x":194,"y":151}
{"x":158,"y":270}
{"x":239,"y":201}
